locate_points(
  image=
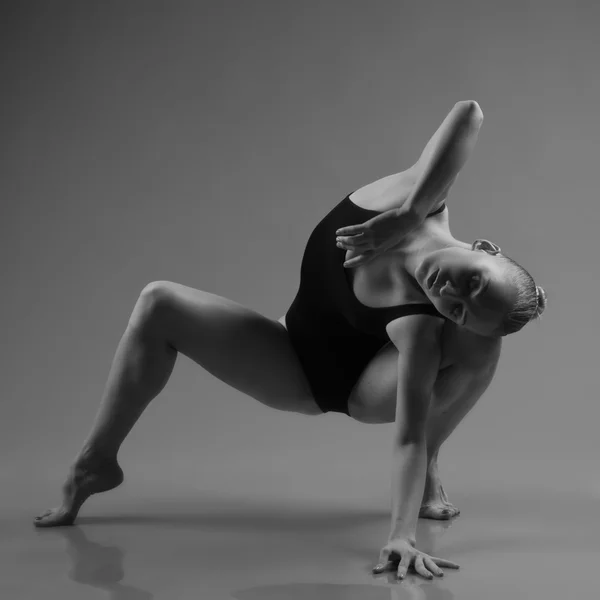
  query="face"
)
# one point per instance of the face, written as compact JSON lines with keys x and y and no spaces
{"x":468,"y":287}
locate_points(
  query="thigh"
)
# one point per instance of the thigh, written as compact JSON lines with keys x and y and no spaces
{"x":241,"y":347}
{"x":373,"y":398}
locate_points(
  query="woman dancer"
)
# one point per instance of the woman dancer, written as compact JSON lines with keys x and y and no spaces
{"x":411,"y":335}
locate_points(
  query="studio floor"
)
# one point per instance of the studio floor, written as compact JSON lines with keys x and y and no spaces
{"x":258,"y":531}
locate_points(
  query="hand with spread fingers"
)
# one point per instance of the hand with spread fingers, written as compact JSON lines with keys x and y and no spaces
{"x":373,"y":237}
{"x":401,"y":554}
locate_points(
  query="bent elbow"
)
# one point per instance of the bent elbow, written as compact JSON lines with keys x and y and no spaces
{"x":471,"y":111}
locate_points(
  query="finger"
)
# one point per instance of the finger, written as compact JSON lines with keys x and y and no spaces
{"x":356,"y":261}
{"x":421,"y":569}
{"x":352,"y":247}
{"x":360,"y":259}
{"x":442,"y":562}
{"x":389,"y":566}
{"x":352,"y":242}
{"x":384,"y":557}
{"x":350,"y":230}
{"x":403,"y":566}
{"x":433,"y":567}
{"x":357,"y":237}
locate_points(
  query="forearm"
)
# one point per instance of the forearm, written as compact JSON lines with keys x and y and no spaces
{"x":409,"y":471}
{"x":444,"y":156}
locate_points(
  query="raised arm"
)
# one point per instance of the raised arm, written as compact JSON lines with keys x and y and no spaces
{"x":417,"y":338}
{"x":444,"y":156}
{"x":416,"y":191}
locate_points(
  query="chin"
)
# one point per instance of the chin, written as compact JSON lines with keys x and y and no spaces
{"x":432,"y":300}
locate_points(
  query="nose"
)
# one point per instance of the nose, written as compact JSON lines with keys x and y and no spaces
{"x":449,"y":290}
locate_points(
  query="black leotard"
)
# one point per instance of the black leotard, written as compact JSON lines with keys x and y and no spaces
{"x":334,"y":335}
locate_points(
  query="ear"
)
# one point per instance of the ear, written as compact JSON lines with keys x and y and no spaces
{"x":486,"y":246}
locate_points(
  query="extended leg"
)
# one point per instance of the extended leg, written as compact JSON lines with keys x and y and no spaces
{"x":238,"y":345}
{"x":140,"y":369}
{"x":456,"y":392}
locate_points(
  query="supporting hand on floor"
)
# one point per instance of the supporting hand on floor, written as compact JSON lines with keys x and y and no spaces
{"x":401,"y":554}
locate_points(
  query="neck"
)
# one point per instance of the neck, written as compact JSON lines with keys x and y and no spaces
{"x":417,"y":251}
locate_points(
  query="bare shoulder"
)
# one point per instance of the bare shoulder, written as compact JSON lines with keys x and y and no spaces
{"x":428,"y":337}
{"x":414,"y":331}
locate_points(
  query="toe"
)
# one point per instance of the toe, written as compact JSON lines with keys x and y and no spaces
{"x":441,"y":512}
{"x":452,"y":511}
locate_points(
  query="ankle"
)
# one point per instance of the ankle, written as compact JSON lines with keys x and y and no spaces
{"x":432,"y":458}
{"x":92,"y":456}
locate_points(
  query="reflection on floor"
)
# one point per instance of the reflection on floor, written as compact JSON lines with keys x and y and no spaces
{"x":530,"y":530}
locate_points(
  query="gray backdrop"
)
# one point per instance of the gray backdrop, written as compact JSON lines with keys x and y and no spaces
{"x":200,"y":142}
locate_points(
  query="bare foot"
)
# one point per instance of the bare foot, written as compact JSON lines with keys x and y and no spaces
{"x":86,"y":478}
{"x":435,"y":504}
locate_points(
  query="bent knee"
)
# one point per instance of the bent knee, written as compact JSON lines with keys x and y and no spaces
{"x":152,"y":301}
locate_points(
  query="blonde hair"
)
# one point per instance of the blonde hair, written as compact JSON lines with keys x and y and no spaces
{"x":531,"y":298}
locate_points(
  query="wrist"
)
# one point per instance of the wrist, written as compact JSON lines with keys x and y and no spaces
{"x":405,"y":220}
{"x":410,"y":216}
{"x":401,"y":530}
{"x":410,"y":539}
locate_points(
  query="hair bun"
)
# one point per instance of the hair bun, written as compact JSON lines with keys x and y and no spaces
{"x":542,"y":300}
